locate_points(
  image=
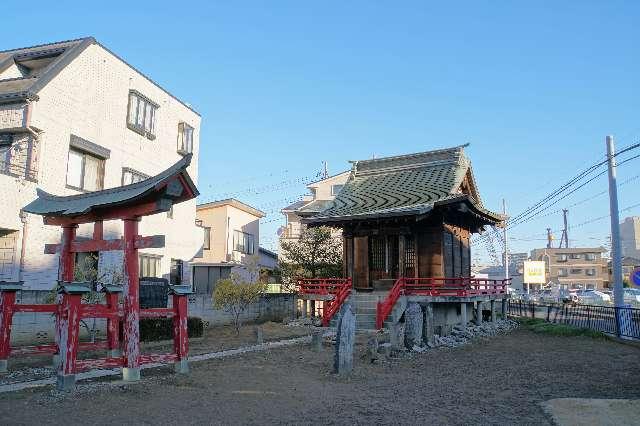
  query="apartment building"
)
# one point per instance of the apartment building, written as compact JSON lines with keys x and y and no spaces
{"x":574,"y":268}
{"x":321,"y":194}
{"x":231,"y":242}
{"x":75,"y":117}
{"x":630,"y":236}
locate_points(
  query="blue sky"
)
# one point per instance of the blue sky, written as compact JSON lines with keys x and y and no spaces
{"x":534,"y":88}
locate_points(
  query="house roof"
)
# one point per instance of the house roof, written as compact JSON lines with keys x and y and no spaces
{"x":314,"y":207}
{"x":316,"y":182}
{"x":39,"y":64}
{"x":159,"y":187}
{"x":234,"y":203}
{"x":267,"y":252}
{"x":412,"y":184}
{"x":295,"y":206}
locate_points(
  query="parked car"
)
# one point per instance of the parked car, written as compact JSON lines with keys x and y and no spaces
{"x":632,"y":295}
{"x":547,"y":296}
{"x":593,"y":297}
{"x":567,"y":296}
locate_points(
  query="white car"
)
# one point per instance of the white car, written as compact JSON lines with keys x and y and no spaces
{"x":594,"y":297}
{"x":632,"y":295}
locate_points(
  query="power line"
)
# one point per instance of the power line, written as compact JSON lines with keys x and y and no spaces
{"x":534,"y":211}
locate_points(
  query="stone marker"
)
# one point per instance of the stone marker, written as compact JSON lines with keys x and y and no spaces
{"x":428,"y":332}
{"x":413,"y":325}
{"x":396,"y":337}
{"x":494,"y":316}
{"x":316,"y":339}
{"x":372,"y":349}
{"x":345,"y":340}
{"x":385,"y":349}
{"x":257,"y":330}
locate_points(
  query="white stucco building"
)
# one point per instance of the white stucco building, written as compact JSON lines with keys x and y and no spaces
{"x":231,"y":241}
{"x":321,"y":193}
{"x":75,"y":117}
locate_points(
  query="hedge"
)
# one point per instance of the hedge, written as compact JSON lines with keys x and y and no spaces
{"x":154,"y":329}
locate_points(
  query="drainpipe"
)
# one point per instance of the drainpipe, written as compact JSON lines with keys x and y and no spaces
{"x":23,"y":245}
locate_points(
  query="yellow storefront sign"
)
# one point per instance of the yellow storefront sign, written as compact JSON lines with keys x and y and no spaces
{"x":534,"y":272}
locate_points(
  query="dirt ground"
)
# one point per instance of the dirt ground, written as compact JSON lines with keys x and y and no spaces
{"x":499,"y":380}
{"x":215,"y":339}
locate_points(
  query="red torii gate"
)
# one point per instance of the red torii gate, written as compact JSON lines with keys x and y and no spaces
{"x":128,"y":203}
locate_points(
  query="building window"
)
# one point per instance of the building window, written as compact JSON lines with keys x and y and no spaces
{"x":149,"y":265}
{"x":590,"y":256}
{"x":591,"y":272}
{"x":130,"y":176}
{"x":576,"y":255}
{"x":561,"y":258}
{"x":576,"y":271}
{"x":84,"y":171}
{"x":206,"y":245}
{"x":562,"y":272}
{"x":175,"y":275}
{"x":142,"y":114}
{"x":335,"y":189}
{"x":185,"y":138}
{"x":243,"y":242}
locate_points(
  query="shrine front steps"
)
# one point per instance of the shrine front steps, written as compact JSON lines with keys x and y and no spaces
{"x":365,"y":305}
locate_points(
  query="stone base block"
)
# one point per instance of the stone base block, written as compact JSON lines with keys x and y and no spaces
{"x":55,"y":361}
{"x":3,"y":365}
{"x":131,"y":374}
{"x":181,"y":367}
{"x":66,"y":382}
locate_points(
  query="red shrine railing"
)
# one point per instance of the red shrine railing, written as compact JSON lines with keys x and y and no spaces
{"x":457,"y":287}
{"x":71,"y":310}
{"x":338,"y":290}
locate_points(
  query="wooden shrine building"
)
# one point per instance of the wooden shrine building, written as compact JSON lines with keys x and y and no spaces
{"x":408,"y":216}
{"x":406,"y":224}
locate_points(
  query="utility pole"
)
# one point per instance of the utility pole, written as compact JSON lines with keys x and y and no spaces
{"x":616,"y":248}
{"x":325,"y":170}
{"x":549,"y":238}
{"x":504,"y":237}
{"x":566,"y":228}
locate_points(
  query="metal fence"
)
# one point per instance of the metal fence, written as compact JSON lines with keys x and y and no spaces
{"x":599,"y":318}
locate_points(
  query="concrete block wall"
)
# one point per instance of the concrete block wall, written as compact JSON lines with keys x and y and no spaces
{"x":270,"y":307}
{"x":38,"y":328}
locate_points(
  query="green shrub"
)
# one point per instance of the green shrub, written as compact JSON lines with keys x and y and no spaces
{"x":234,"y":295}
{"x":154,"y":329}
{"x":538,"y":325}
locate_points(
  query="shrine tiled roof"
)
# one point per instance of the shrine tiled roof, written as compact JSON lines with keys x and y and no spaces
{"x":404,"y":185}
{"x":79,"y":204}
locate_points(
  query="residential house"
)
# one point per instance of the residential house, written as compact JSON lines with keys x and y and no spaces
{"x":231,"y":242}
{"x":75,"y":118}
{"x":573,"y":268}
{"x":321,"y":194}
